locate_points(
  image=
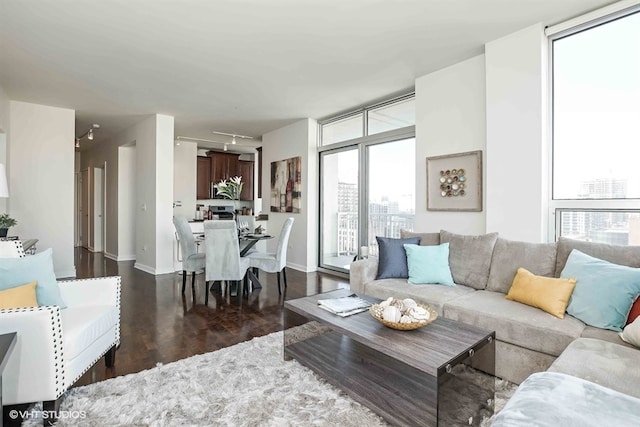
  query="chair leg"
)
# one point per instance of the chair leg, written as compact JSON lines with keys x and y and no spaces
{"x":206,"y":293}
{"x":51,"y":408}
{"x":284,"y":275}
{"x":279,"y":288}
{"x":184,"y":280}
{"x":110,"y":357}
{"x":193,"y":279}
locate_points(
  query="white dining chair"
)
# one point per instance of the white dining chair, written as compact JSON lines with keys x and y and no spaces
{"x":223,"y":260}
{"x":192,"y":261}
{"x":275,"y":262}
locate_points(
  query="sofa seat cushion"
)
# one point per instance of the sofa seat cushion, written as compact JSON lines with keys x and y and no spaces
{"x":554,"y":399}
{"x":602,"y":362}
{"x":514,"y":322}
{"x":85,"y":324}
{"x":433,"y":295}
{"x":605,"y":335}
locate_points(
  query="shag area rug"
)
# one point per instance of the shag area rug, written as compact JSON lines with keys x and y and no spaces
{"x":248,"y":384}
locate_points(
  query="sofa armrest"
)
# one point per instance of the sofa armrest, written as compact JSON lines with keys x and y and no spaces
{"x":361,"y":272}
{"x":35,"y":370}
{"x":86,"y":292}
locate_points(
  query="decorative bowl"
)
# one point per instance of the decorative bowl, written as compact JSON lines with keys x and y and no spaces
{"x":376,"y":312}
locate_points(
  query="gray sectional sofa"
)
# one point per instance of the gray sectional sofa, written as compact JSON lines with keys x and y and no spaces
{"x":528,"y":340}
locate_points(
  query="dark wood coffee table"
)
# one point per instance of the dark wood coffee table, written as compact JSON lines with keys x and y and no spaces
{"x":404,"y":376}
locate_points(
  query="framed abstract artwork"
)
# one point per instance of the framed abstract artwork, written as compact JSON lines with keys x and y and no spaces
{"x":454,"y":182}
{"x":286,"y":186}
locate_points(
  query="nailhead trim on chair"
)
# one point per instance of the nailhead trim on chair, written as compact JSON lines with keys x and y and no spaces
{"x":56,"y":328}
{"x":118,"y":301}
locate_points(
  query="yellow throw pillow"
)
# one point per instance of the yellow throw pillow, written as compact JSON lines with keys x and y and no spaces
{"x":546,"y":293}
{"x":20,"y":296}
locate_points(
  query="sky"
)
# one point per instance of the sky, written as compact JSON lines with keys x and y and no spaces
{"x":597,"y":107}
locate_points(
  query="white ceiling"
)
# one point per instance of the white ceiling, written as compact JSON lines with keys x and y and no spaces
{"x":241,"y":66}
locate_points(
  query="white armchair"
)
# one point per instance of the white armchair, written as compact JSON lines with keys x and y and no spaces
{"x":56,"y":347}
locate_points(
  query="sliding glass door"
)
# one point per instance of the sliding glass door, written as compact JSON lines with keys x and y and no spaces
{"x":367,"y":190}
{"x":339,"y":207}
{"x":391,"y":178}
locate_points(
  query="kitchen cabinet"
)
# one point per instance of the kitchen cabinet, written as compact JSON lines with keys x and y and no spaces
{"x":223,"y":165}
{"x":203,"y":179}
{"x":245,"y":169}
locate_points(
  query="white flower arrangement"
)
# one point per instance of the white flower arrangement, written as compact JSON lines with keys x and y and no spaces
{"x":230,"y":190}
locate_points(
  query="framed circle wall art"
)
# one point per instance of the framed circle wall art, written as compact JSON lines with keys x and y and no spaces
{"x":454,"y":182}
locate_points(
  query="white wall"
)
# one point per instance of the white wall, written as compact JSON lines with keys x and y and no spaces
{"x":184,"y":179}
{"x":450,"y":118}
{"x":4,"y":130}
{"x":517,"y":163}
{"x":297,"y":139}
{"x":41,"y":178}
{"x":152,"y":188}
{"x":126,"y":234}
{"x":165,"y":231}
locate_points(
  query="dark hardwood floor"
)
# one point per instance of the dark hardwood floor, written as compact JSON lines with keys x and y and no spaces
{"x":160,"y":325}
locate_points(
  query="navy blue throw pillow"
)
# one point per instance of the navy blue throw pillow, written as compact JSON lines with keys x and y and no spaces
{"x":392,"y":258}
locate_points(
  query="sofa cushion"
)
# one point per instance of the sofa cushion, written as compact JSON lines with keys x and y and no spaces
{"x":556,"y":399}
{"x":631,"y":333}
{"x":429,"y":264}
{"x":635,"y":312}
{"x":623,"y":255}
{"x":604,"y":335}
{"x":604,"y":292}
{"x":19,"y":296}
{"x":515,"y":323}
{"x":509,"y":255}
{"x":610,"y":365}
{"x":392,"y":258}
{"x":470,"y":257}
{"x":38,"y":267}
{"x":433,"y":295}
{"x":85,"y":324}
{"x":546,"y":293}
{"x":426,"y":239}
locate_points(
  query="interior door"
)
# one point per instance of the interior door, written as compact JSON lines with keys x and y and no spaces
{"x":84,"y":208}
{"x":98,"y":209}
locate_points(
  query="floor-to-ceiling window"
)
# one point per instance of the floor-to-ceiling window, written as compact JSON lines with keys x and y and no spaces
{"x":596,"y":131}
{"x":367,"y":167}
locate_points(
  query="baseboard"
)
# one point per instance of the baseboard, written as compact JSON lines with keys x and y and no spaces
{"x":66,"y":274}
{"x":302,"y":268}
{"x":131,"y":257}
{"x":110,"y":256}
{"x":152,"y":270}
{"x":145,"y":268}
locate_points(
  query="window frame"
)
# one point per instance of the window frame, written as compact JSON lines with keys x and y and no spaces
{"x":558,"y":205}
{"x":361,"y":145}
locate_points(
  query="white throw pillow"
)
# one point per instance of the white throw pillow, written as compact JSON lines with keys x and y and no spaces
{"x":631,"y":333}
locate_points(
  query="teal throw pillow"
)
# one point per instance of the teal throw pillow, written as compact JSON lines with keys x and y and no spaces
{"x":38,"y":267}
{"x":392,"y":259}
{"x":429,"y":264}
{"x":604,"y":291}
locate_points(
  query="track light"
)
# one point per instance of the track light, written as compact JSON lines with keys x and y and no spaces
{"x":233,"y":140}
{"x":225,"y":147}
{"x":88,"y":134}
{"x":232,"y":135}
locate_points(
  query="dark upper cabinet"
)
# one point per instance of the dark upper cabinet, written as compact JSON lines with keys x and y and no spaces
{"x":203,"y":181}
{"x":245,"y":169}
{"x":217,"y":166}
